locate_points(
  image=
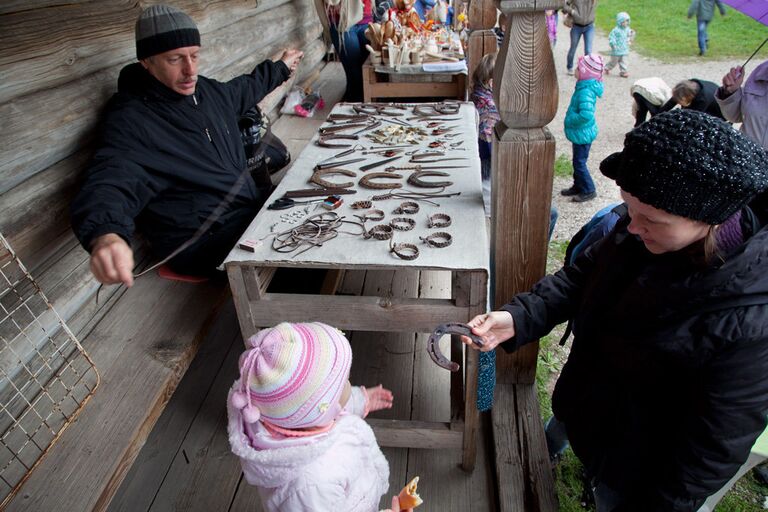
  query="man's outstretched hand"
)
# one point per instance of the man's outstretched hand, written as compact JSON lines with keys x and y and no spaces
{"x":112,"y":260}
{"x":291,"y":58}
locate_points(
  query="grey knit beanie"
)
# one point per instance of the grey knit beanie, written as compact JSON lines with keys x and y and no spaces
{"x":690,"y":164}
{"x":161,"y":28}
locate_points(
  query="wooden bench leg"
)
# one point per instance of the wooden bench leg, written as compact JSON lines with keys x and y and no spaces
{"x":331,"y":281}
{"x":471,"y":414}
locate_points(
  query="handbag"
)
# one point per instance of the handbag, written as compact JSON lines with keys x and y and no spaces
{"x":568,"y":20}
{"x":265,"y":153}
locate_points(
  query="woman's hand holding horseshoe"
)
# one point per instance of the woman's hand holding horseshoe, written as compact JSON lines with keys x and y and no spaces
{"x":495,"y":328}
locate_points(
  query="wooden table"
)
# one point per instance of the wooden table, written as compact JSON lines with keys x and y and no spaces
{"x":421,"y":85}
{"x":466,"y":258}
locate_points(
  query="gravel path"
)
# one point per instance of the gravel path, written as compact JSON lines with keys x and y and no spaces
{"x":614,"y":119}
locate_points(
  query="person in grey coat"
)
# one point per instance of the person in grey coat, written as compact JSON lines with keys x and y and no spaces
{"x":704,"y":11}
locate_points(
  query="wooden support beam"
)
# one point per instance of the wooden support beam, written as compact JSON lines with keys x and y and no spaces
{"x":424,"y":434}
{"x":526,"y":95}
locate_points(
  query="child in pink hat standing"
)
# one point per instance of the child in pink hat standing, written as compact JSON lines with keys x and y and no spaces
{"x":297,"y":424}
{"x":580,"y":125}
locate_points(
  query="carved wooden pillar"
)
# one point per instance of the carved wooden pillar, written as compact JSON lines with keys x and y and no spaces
{"x":526,"y":94}
{"x":482,"y":40}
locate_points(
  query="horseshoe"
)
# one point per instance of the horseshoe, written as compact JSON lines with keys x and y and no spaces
{"x":323,"y":140}
{"x":366,"y":182}
{"x":328,"y":130}
{"x":433,"y":345}
{"x":317,"y":178}
{"x":415,"y":179}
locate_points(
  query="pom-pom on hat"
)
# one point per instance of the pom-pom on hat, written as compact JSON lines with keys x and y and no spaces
{"x":590,"y":66}
{"x":161,"y":28}
{"x":293,"y":375}
{"x":690,"y":164}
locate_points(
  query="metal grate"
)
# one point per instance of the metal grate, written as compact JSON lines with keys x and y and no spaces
{"x":45,"y":375}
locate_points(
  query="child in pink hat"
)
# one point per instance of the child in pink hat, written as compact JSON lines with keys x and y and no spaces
{"x":297,"y":424}
{"x":580,"y":125}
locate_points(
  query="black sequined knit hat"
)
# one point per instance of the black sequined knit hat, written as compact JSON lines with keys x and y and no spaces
{"x":161,"y":28}
{"x":689,"y":164}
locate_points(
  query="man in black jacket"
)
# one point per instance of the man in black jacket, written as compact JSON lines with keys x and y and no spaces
{"x":170,"y":153}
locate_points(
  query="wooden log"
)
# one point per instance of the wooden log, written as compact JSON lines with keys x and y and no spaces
{"x":521,"y":198}
{"x":482,"y":14}
{"x":50,"y":44}
{"x":523,"y":469}
{"x":481,"y":42}
{"x":525,"y":90}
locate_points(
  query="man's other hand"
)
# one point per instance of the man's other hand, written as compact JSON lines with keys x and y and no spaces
{"x":291,"y":58}
{"x":112,"y":260}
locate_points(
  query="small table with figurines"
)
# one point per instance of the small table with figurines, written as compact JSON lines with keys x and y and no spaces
{"x":414,"y":58}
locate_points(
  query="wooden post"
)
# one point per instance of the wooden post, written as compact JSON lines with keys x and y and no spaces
{"x":482,"y":40}
{"x":526,"y":95}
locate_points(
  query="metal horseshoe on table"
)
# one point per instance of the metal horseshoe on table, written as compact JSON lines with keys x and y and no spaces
{"x":323,"y":141}
{"x":433,"y":344}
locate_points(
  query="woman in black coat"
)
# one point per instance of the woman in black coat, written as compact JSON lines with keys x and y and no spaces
{"x":665,"y":388}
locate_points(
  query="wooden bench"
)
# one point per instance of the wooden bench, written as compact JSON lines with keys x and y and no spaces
{"x":141,"y":339}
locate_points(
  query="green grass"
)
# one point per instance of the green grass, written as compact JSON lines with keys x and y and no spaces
{"x":563,"y":166}
{"x":746,"y":496}
{"x":665,"y":32}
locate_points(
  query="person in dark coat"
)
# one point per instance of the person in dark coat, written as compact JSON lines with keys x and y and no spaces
{"x":664,"y":392}
{"x":694,"y":94}
{"x":170,"y":154}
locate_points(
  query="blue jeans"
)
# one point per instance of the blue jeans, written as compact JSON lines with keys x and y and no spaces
{"x":352,"y":56}
{"x":701,"y":27}
{"x":576,"y":33}
{"x":582,"y":181}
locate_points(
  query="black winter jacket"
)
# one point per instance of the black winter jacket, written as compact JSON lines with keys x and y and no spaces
{"x":167,"y":160}
{"x":665,"y":389}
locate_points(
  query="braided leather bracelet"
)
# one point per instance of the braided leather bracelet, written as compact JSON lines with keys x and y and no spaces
{"x":439,"y":220}
{"x":402,"y":223}
{"x":380,"y":232}
{"x":374,"y":215}
{"x":361,"y":205}
{"x":405,"y":251}
{"x":407,"y":207}
{"x":438,"y":240}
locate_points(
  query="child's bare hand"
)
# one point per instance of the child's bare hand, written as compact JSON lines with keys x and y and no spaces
{"x":379,"y":398}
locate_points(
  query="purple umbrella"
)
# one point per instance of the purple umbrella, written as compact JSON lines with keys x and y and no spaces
{"x":757,"y":9}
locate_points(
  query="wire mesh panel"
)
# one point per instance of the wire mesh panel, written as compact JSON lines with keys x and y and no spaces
{"x":45,"y":375}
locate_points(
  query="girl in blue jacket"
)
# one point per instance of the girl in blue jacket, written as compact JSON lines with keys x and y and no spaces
{"x":580,"y":125}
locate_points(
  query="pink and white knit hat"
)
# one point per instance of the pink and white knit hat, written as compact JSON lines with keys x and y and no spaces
{"x":294,"y":375}
{"x":590,"y":66}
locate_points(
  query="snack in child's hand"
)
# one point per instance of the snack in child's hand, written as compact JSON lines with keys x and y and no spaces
{"x":408,"y":496}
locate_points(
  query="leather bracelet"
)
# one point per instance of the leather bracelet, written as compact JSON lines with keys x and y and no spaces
{"x":379,"y":232}
{"x":407,"y":207}
{"x":405,"y":251}
{"x":374,"y":215}
{"x":402,"y":223}
{"x":361,"y":205}
{"x":438,"y":240}
{"x":439,"y":220}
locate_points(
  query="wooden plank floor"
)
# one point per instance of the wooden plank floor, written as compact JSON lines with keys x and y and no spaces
{"x":186,"y":463}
